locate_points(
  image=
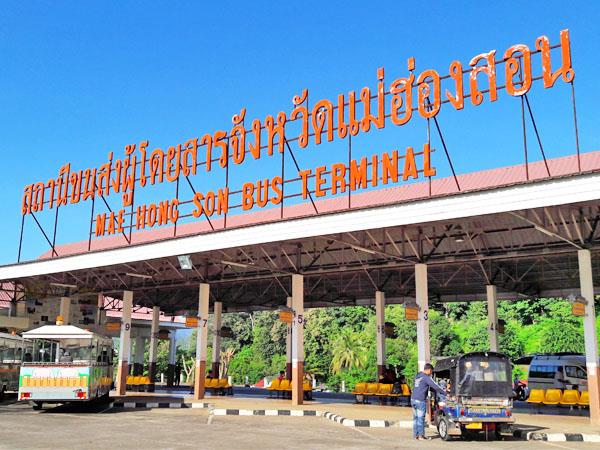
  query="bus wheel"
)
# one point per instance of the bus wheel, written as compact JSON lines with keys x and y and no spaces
{"x":37,"y":405}
{"x":105,"y":398}
{"x":443,"y":426}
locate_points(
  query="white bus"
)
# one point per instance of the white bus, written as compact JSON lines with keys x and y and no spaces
{"x":558,"y":371}
{"x":12,"y":350}
{"x":68,"y":364}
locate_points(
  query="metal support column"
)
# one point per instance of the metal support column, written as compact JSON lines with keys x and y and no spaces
{"x":298,"y":340}
{"x":201,"y":341}
{"x":492,"y":308}
{"x":589,"y":329}
{"x":124,"y":343}
{"x":288,"y":345}
{"x":172,"y":358}
{"x":422,"y":291}
{"x":153,"y":351}
{"x":380,"y":337}
{"x":138,"y":360}
{"x":216,"y":350}
{"x":65,"y":310}
{"x":100,"y":314}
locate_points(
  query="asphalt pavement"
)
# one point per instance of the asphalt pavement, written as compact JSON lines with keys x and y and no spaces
{"x":94,"y":426}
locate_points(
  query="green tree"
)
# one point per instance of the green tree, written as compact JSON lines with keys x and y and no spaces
{"x":319,"y":334}
{"x":244,"y":363}
{"x":444,"y":340}
{"x":268,"y":337}
{"x":558,"y":335}
{"x":510,"y":342}
{"x":241,"y":330}
{"x":349,"y":352}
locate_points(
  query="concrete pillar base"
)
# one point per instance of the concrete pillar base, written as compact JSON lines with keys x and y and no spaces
{"x":594,"y":391}
{"x":297,"y":384}
{"x":170,"y":374}
{"x":122,"y":372}
{"x":199,"y":380}
{"x":138,"y":369}
{"x":215,"y":369}
{"x":590,"y":333}
{"x":152,"y":371}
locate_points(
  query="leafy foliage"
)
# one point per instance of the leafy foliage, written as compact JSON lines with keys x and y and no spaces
{"x":349,"y":352}
{"x":340,"y":342}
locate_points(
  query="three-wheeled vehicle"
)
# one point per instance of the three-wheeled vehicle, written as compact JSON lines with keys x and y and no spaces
{"x":12,"y":349}
{"x":478,"y":398}
{"x":67,"y":364}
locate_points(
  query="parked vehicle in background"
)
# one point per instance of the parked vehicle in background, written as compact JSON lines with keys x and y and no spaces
{"x":69,"y":364}
{"x":479,"y":395}
{"x":520,"y":390}
{"x":12,"y":350}
{"x":556,"y":371}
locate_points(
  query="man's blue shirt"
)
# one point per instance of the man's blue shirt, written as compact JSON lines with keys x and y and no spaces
{"x":423,"y":383}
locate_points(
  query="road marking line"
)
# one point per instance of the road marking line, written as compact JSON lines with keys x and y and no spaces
{"x":554,"y":444}
{"x":365,"y":433}
{"x":106,"y":409}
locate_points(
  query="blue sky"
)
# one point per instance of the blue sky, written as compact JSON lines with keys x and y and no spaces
{"x":80,"y":79}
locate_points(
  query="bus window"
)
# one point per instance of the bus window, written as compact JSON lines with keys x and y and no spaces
{"x":542,"y":371}
{"x":8,"y":354}
{"x":575,"y":372}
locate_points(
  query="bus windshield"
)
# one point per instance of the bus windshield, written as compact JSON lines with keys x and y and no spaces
{"x":67,"y":351}
{"x":11,"y":350}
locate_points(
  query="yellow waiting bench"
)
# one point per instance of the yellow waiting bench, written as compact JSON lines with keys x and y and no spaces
{"x":284,"y":387}
{"x":379,"y":390}
{"x":558,"y":397}
{"x":218,"y":385}
{"x":139,"y":383}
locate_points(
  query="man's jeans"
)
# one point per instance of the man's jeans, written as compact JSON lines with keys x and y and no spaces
{"x":419,"y":411}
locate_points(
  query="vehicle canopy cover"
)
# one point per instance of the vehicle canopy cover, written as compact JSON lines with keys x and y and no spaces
{"x":64,"y":333}
{"x":480,"y":374}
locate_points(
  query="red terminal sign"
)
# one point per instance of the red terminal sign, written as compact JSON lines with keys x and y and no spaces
{"x":327,"y":120}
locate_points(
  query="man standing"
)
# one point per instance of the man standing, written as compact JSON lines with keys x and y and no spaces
{"x":418,"y":398}
{"x":177,"y":373}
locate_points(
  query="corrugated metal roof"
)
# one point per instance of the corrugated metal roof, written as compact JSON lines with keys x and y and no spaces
{"x":6,"y":294}
{"x":481,"y":180}
{"x":141,"y":313}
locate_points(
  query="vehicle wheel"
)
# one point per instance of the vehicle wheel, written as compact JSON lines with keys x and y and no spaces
{"x":105,"y":398}
{"x":37,"y":405}
{"x":443,"y":426}
{"x":470,"y":435}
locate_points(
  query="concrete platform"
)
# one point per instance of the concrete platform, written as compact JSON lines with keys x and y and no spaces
{"x":349,"y":414}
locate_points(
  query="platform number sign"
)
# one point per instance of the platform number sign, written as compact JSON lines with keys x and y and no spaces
{"x":113,"y":326}
{"x":578,"y":309}
{"x":286,"y":316}
{"x":411,"y":313}
{"x":191,"y":322}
